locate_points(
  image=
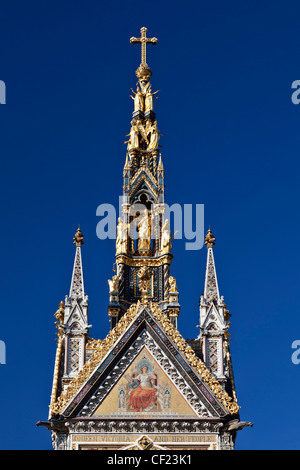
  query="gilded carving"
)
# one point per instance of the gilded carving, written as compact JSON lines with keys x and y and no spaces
{"x":166,"y":244}
{"x":78,"y":238}
{"x":123,"y":259}
{"x":149,"y":98}
{"x":209,"y":239}
{"x":113,"y":284}
{"x":138,"y":99}
{"x":121,"y":242}
{"x":144,"y":230}
{"x":172,"y":284}
{"x":133,"y":142}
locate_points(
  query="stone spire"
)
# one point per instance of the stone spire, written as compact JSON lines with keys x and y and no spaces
{"x":76,"y":325}
{"x":77,"y":284}
{"x":212,"y":321}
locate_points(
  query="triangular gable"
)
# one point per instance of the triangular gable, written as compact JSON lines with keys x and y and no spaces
{"x":76,"y":314}
{"x":143,"y":177}
{"x":213,"y":319}
{"x":129,"y":359}
{"x":107,"y":359}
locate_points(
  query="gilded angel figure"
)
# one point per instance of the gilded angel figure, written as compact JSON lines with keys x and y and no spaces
{"x":113,"y":284}
{"x":138,"y":100}
{"x":166,"y":237}
{"x":133,"y":142}
{"x":149,"y":99}
{"x":154,"y":136}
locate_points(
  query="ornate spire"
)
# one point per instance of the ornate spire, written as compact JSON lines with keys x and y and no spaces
{"x":77,"y":285}
{"x":76,"y":317}
{"x":143,"y":244}
{"x":211,"y":290}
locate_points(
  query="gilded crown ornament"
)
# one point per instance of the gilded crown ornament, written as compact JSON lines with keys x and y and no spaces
{"x":143,"y":73}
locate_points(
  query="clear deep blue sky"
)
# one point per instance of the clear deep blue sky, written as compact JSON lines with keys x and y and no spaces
{"x":224,"y":71}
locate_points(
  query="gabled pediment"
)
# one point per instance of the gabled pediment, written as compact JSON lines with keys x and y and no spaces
{"x":213,"y":320}
{"x":144,"y":330}
{"x":76,"y":315}
{"x":143,"y":180}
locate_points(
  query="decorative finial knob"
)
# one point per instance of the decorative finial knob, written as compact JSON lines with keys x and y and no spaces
{"x":209,"y":239}
{"x":78,"y":239}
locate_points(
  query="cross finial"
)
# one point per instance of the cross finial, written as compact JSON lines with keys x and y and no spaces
{"x":143,"y":40}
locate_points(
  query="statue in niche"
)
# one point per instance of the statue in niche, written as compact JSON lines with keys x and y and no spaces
{"x":121,"y":243}
{"x":144,"y":285}
{"x":144,"y":229}
{"x":166,"y":244}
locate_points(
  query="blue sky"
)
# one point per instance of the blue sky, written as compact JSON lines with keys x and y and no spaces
{"x":231,"y":142}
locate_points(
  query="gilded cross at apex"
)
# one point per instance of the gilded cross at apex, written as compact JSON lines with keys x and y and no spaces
{"x":143,"y":40}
